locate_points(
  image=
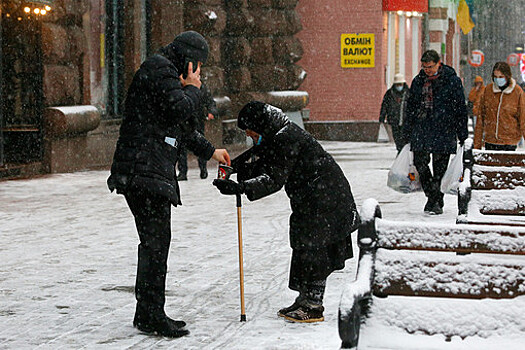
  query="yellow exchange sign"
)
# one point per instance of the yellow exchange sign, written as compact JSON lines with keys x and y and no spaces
{"x":357,"y":50}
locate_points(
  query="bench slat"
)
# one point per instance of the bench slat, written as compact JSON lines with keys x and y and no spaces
{"x":455,"y":238}
{"x":496,"y":179}
{"x":499,"y":158}
{"x":499,"y":321}
{"x":448,"y":275}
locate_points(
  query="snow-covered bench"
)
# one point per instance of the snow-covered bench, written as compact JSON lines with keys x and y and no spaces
{"x":444,"y":280}
{"x":493,"y":188}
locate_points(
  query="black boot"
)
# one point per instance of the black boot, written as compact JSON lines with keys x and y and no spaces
{"x":160,"y":324}
{"x":429,"y":206}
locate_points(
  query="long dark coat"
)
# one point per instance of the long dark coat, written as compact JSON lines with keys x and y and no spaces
{"x":393,"y":106}
{"x":323,"y":208}
{"x":156,"y":107}
{"x":439,"y":131}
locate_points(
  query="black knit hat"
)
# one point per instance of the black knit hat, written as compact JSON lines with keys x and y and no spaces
{"x":192,"y":45}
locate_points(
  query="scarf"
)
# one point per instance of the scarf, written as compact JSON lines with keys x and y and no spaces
{"x":428,"y":95}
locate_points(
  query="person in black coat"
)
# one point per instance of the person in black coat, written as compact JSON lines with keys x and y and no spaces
{"x":160,"y":102}
{"x":436,"y":118}
{"x":323,"y":209}
{"x":207,"y":111}
{"x":393,"y":109}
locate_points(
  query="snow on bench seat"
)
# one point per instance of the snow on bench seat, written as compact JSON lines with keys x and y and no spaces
{"x":444,"y":323}
{"x":445,"y":274}
{"x":457,"y":238}
{"x":500,"y":177}
{"x":500,"y":202}
{"x":499,"y":158}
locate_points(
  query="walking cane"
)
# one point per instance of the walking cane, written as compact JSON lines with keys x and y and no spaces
{"x":241,"y":273}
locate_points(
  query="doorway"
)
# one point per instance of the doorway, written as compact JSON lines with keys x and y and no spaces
{"x":21,"y":92}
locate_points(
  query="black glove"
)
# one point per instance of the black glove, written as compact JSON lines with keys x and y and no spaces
{"x":229,"y":186}
{"x":461,"y":142}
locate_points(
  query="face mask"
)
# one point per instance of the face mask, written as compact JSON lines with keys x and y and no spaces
{"x":259,"y":140}
{"x":399,"y":87}
{"x":500,"y":81}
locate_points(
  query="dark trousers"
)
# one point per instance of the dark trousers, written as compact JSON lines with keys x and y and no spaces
{"x":182,"y":164}
{"x":399,"y":139}
{"x":493,"y":147}
{"x":431,"y":181}
{"x":153,"y":221}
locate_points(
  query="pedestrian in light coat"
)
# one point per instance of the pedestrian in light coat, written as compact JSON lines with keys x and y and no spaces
{"x":502,"y":112}
{"x":323,"y":208}
{"x":436,"y":119}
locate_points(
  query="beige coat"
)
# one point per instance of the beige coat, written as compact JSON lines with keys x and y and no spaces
{"x":501,"y":118}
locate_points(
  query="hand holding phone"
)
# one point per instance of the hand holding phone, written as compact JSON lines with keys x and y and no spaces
{"x":193,"y":75}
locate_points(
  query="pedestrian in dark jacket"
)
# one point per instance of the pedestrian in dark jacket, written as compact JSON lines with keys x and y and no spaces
{"x":436,"y":118}
{"x":157,"y":121}
{"x":323,"y":208}
{"x":393,"y":109}
{"x":208,"y":111}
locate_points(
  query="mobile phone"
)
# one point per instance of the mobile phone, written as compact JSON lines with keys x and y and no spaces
{"x":187,"y":64}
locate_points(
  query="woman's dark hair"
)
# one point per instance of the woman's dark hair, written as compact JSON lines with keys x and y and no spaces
{"x":504,"y":68}
{"x":430,"y":56}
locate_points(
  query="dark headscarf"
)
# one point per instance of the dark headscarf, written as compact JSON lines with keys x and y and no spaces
{"x":262,"y":118}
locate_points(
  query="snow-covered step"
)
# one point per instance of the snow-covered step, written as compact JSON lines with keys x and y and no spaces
{"x":457,"y":238}
{"x":443,"y":274}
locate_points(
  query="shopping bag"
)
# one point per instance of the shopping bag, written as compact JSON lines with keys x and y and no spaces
{"x":454,"y":174}
{"x":403,"y":176}
{"x":382,"y":135}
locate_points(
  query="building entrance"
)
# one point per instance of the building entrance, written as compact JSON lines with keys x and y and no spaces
{"x":21,"y":93}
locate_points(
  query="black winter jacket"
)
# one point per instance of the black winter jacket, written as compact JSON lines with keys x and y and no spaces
{"x":157,"y":120}
{"x":438,"y":132}
{"x":208,"y":105}
{"x":393,"y":106}
{"x":323,"y":208}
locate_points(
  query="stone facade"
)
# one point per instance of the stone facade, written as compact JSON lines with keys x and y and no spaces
{"x":64,"y":49}
{"x":253,"y":46}
{"x":253,"y":52}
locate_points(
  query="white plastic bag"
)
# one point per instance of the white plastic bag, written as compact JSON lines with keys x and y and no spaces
{"x":403,"y":176}
{"x":382,"y":135}
{"x":454,"y":173}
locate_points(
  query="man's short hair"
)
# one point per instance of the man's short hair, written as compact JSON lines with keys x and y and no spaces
{"x":430,"y":56}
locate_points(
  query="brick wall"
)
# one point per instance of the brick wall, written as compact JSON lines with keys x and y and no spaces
{"x":341,"y":93}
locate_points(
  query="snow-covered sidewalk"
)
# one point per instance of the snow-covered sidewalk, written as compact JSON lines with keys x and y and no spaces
{"x":68,"y":259}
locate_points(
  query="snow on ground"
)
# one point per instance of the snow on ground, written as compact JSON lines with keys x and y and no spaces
{"x":68,"y":260}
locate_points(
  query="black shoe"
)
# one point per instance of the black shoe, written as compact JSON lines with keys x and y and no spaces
{"x":182,"y":177}
{"x":306,"y":314}
{"x":163,"y":326}
{"x":428,"y":206}
{"x":436,"y":209}
{"x":204,"y":173}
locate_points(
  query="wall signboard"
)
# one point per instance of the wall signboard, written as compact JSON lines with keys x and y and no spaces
{"x":357,"y":50}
